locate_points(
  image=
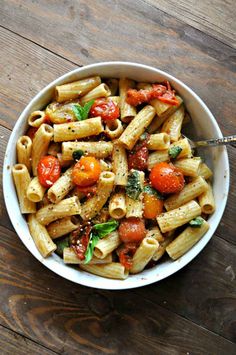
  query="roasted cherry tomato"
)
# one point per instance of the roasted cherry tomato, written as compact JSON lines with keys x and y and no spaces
{"x":49,"y":170}
{"x":126,"y":254}
{"x":106,"y":109}
{"x":138,"y":157}
{"x":132,"y":230}
{"x":86,"y":172}
{"x":153,"y":206}
{"x":31,"y":132}
{"x":166,"y":178}
{"x":81,"y":243}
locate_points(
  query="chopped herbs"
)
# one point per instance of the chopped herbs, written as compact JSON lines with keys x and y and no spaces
{"x":82,"y":112}
{"x":77,"y":154}
{"x":61,"y":244}
{"x":196,"y":222}
{"x":99,"y":231}
{"x":174,"y":151}
{"x":151,"y":191}
{"x":133,"y":188}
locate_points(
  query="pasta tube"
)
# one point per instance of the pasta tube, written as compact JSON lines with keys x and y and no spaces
{"x":179,"y":216}
{"x":117,"y":205}
{"x":40,"y":145}
{"x":77,"y":130}
{"x":76,"y":89}
{"x":190,"y":191}
{"x":186,"y":151}
{"x":127,"y":112}
{"x":106,"y":245}
{"x":136,"y":127}
{"x":144,"y":254}
{"x":62,"y":226}
{"x":114,"y":129}
{"x":188,"y":166}
{"x":101,"y":90}
{"x":97,"y":149}
{"x":173,"y":124}
{"x":23,"y":150}
{"x":41,"y":237}
{"x":111,"y":270}
{"x":68,"y":207}
{"x":120,"y":165}
{"x":186,"y":240}
{"x":35,"y":191}
{"x":134,"y":208}
{"x":159,"y":141}
{"x":205,"y":171}
{"x":21,"y":179}
{"x":92,"y":206}
{"x":36,"y":118}
{"x":61,"y":187}
{"x":162,"y":247}
{"x":69,"y":257}
{"x":158,"y":157}
{"x":156,"y":234}
{"x":206,"y":200}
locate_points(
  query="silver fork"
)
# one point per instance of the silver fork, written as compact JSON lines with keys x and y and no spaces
{"x":213,"y":142}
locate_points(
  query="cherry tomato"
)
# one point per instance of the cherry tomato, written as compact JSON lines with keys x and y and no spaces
{"x":49,"y":170}
{"x":81,"y":244}
{"x":153,"y":206}
{"x":166,"y":178}
{"x":132,"y":230}
{"x":106,"y":109}
{"x":31,"y":132}
{"x":126,"y":254}
{"x":138,"y":157}
{"x":86,"y":172}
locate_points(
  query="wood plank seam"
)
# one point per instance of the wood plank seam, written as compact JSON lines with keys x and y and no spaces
{"x":184,"y":23}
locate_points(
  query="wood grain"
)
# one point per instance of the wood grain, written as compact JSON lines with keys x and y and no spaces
{"x":148,"y":36}
{"x":12,"y":343}
{"x":205,"y":15}
{"x":72,"y":319}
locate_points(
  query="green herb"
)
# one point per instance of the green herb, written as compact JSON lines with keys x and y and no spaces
{"x":174,"y":151}
{"x":133,"y":188}
{"x":151,"y":191}
{"x":81,"y":112}
{"x":196,"y":222}
{"x":143,"y":136}
{"x":61,"y":244}
{"x":77,"y":154}
{"x":99,"y":231}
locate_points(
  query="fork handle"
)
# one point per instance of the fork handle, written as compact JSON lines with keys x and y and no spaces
{"x":217,"y":141}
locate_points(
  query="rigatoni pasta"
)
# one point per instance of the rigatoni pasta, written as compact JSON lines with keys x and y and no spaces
{"x":106,"y":177}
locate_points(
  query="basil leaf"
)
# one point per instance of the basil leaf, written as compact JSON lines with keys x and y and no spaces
{"x":77,"y":154}
{"x":133,"y":188}
{"x":103,"y":229}
{"x":174,"y":151}
{"x":93,"y":240}
{"x":61,"y":244}
{"x":196,"y":222}
{"x":81,"y":112}
{"x":151,"y":191}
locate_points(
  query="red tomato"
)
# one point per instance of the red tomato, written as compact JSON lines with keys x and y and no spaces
{"x":166,"y":178}
{"x":126,"y":254}
{"x":31,"y":132}
{"x":132,"y":230}
{"x":138,"y":157}
{"x":49,"y":170}
{"x":106,"y":109}
{"x":82,"y":243}
{"x":86,"y":172}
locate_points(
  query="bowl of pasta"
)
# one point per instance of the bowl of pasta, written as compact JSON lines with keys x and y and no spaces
{"x":100,"y":181}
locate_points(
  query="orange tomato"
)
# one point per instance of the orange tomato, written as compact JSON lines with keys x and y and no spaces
{"x":153,"y":206}
{"x":166,"y":178}
{"x":132,"y":230}
{"x":86,"y":172}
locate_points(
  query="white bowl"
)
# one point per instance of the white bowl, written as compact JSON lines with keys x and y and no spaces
{"x":205,"y":126}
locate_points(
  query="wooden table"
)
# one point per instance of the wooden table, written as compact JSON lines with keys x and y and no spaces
{"x":191,"y":312}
